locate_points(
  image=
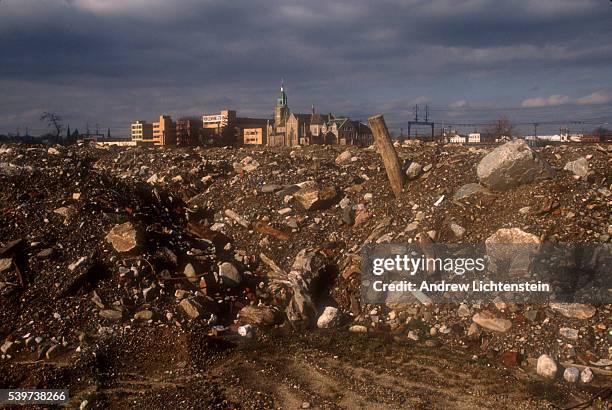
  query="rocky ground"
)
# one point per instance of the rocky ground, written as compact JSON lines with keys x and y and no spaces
{"x":199,"y":276}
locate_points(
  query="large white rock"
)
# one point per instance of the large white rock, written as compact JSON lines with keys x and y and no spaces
{"x":489,"y":321}
{"x":547,"y":367}
{"x":574,"y":310}
{"x":511,"y":165}
{"x":329,"y":318}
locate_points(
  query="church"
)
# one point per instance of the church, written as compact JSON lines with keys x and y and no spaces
{"x":291,"y":129}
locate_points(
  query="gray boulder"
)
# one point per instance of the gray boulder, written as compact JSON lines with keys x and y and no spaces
{"x":511,"y":165}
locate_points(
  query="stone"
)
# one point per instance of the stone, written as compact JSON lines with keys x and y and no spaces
{"x":358,"y":329}
{"x":579,"y":167}
{"x":65,"y":211}
{"x":143,"y":315}
{"x":6,"y":264}
{"x":511,"y":165}
{"x":512,"y":236}
{"x":348,"y":216}
{"x":44,"y":253}
{"x":270,"y":188}
{"x":191,"y":308}
{"x":489,"y":321}
{"x":569,"y":333}
{"x":258,"y":315}
{"x":510,"y":358}
{"x":586,"y":375}
{"x":343,"y":157}
{"x":524,"y":210}
{"x":7,"y":347}
{"x":414,"y":170}
{"x":111,"y":314}
{"x":463,"y":310}
{"x":245,"y":331}
{"x":124,"y":237}
{"x":411,"y":227}
{"x":574,"y":310}
{"x":237,"y":218}
{"x":546,"y":367}
{"x":329,"y":318}
{"x":79,"y":262}
{"x":288,"y":190}
{"x":368,"y":197}
{"x":469,"y":189}
{"x":190,"y":273}
{"x":52,"y":151}
{"x":458,"y":230}
{"x":473,"y":331}
{"x":314,"y":198}
{"x":571,"y":375}
{"x":427,"y":167}
{"x":229,"y":274}
{"x":152,"y":179}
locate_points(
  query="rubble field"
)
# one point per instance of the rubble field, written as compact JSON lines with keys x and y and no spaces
{"x":229,"y":278}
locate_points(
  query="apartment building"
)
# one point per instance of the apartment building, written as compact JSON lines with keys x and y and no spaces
{"x":219,"y":128}
{"x":164,"y":131}
{"x":142,"y":131}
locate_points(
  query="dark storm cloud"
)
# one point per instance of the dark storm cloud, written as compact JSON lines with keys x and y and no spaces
{"x":101,"y":59}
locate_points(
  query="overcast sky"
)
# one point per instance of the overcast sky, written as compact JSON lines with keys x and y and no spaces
{"x":109,"y":62}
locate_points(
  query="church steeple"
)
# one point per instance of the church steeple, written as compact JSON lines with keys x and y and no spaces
{"x":282,"y":98}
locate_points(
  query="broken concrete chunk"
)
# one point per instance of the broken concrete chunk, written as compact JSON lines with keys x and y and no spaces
{"x":574,"y":310}
{"x":511,"y":165}
{"x":315,"y":198}
{"x":489,"y":321}
{"x":579,"y":167}
{"x":343,"y":157}
{"x":229,"y":274}
{"x":124,"y":237}
{"x":329,"y":318}
{"x":546,"y":367}
{"x":414,"y":170}
{"x":191,"y":308}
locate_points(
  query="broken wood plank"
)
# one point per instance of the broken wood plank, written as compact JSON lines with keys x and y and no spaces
{"x":266,"y":229}
{"x":388,"y":154}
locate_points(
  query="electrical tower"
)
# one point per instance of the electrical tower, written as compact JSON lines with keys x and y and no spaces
{"x":417,"y":122}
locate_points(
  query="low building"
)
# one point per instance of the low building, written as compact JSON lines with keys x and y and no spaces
{"x":142,"y":131}
{"x":474,"y":138}
{"x":251,"y":131}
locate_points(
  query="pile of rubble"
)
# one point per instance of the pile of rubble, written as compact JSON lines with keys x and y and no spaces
{"x":237,"y":241}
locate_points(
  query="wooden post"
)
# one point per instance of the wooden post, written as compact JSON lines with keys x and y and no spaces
{"x":388,"y":154}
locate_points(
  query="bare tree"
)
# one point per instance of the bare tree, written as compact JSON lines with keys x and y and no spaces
{"x":54,"y":121}
{"x":502,"y":128}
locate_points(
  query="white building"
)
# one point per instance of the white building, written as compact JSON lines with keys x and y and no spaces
{"x":456,"y":139}
{"x":474,"y":138}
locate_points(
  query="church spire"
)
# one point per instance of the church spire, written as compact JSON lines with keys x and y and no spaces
{"x":282,"y":98}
